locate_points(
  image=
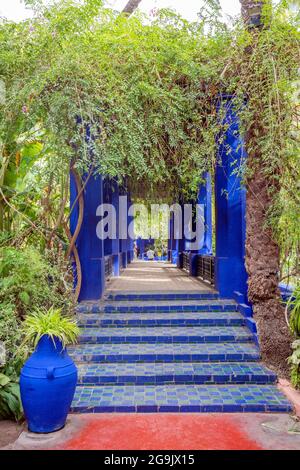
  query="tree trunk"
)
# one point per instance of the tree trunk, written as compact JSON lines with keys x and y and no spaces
{"x":251,"y":11}
{"x":262,"y":264}
{"x":131,"y":6}
{"x":262,"y":251}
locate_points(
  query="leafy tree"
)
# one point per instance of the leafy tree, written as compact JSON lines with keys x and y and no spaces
{"x":148,"y":92}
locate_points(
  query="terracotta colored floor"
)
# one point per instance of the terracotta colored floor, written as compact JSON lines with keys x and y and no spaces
{"x":151,"y":276}
{"x":161,"y":432}
{"x":169,"y":431}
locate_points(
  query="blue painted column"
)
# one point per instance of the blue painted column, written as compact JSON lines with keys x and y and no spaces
{"x":180,"y":243}
{"x":90,"y":247}
{"x":130,"y":241}
{"x":190,"y":226}
{"x":107,"y":199}
{"x":173,"y":244}
{"x":205,"y":199}
{"x":116,"y":242}
{"x":123,"y":219}
{"x":170,"y":230}
{"x":230,"y":196}
{"x":139,"y":244}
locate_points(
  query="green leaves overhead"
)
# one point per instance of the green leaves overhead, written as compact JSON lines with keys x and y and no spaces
{"x":140,"y":84}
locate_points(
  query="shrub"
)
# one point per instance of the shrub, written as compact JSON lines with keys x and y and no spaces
{"x":10,"y":402}
{"x":28,"y":280}
{"x":294,"y":304}
{"x":294,"y":361}
{"x":11,"y":338}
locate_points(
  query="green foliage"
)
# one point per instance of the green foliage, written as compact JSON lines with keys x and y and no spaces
{"x":27,"y":280}
{"x":149,"y":90}
{"x":10,"y":402}
{"x":294,"y":361}
{"x":52,"y":323}
{"x":140,"y":85}
{"x":11,"y":338}
{"x":294,"y":320}
{"x":294,"y":304}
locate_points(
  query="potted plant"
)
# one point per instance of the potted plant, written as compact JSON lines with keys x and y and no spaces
{"x":48,"y":378}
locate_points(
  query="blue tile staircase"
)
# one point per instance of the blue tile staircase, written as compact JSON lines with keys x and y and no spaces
{"x":170,"y":352}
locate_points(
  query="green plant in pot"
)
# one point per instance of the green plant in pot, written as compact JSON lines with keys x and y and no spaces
{"x":48,"y":378}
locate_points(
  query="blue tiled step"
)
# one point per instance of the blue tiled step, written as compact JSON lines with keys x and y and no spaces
{"x":159,"y":306}
{"x":168,"y":334}
{"x":150,"y":296}
{"x":180,"y":398}
{"x":147,"y":352}
{"x":176,"y":372}
{"x":162,"y":319}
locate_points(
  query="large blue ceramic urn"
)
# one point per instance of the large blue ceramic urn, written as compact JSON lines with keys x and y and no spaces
{"x":47,"y":384}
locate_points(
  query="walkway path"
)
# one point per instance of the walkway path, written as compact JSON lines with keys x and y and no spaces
{"x":175,"y":348}
{"x":150,"y":276}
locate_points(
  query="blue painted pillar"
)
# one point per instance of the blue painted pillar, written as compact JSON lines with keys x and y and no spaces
{"x":139,"y":247}
{"x":189,"y":226}
{"x":170,"y":229}
{"x":173,"y":247}
{"x":180,"y":242}
{"x":230,"y":197}
{"x":107,"y":199}
{"x":130,"y":242}
{"x":116,"y":242}
{"x":205,"y":199}
{"x":90,"y":247}
{"x":123,"y":211}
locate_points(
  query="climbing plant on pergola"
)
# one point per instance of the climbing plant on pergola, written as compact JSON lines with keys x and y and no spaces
{"x":150,"y":92}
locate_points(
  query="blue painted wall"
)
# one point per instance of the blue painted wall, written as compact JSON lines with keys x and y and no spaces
{"x":90,"y":248}
{"x":230,"y":200}
{"x":205,"y":199}
{"x":116,"y":242}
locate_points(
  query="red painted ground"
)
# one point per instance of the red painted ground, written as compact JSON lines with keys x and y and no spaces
{"x":161,"y":432}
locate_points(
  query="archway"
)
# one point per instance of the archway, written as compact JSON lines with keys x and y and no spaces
{"x":225,"y":269}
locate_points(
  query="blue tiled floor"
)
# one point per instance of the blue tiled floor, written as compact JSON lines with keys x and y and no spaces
{"x":165,"y":352}
{"x":158,"y":373}
{"x":158,"y":306}
{"x":180,"y":398}
{"x":166,"y":334}
{"x":137,"y":296}
{"x":160,"y":318}
{"x":184,"y":355}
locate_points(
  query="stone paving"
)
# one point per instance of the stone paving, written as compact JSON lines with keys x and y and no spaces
{"x":151,"y":276}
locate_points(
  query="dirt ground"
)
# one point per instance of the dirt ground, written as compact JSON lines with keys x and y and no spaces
{"x":9,"y":432}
